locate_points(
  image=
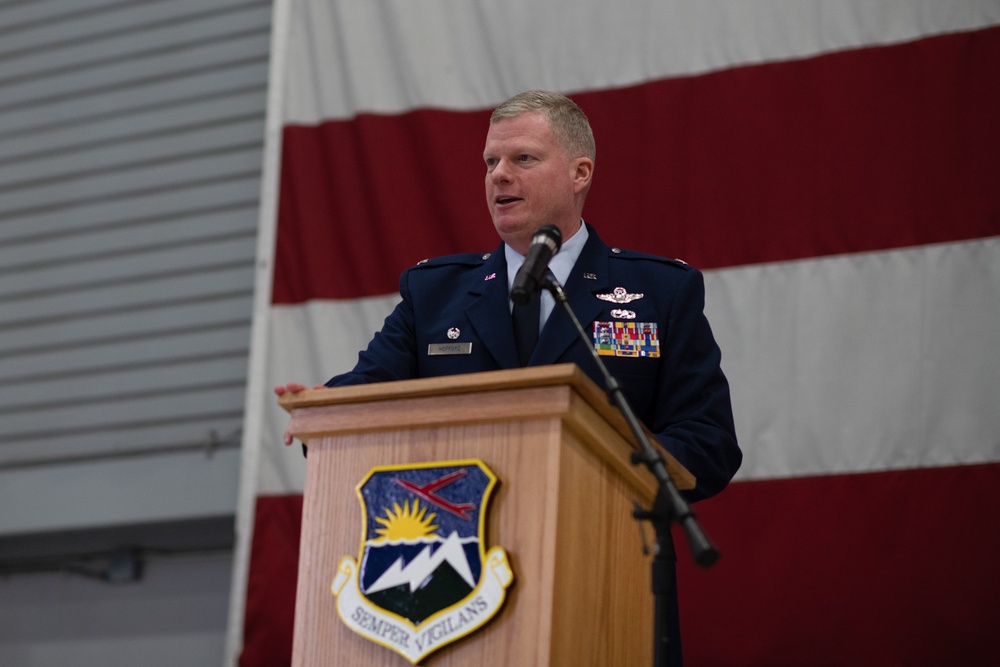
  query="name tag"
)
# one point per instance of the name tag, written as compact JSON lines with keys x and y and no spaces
{"x":439,"y":349}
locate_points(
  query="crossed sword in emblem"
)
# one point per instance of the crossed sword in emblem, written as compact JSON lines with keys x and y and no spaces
{"x":427,"y":492}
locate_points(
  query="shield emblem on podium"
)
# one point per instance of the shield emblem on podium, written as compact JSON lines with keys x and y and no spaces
{"x":424,"y":577}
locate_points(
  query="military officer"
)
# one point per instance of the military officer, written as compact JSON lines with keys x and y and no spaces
{"x":645,"y":312}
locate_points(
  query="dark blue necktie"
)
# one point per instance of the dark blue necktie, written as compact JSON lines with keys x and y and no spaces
{"x":526,"y":325}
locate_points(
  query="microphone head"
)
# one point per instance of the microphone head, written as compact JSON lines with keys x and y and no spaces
{"x":544,"y":244}
{"x":550,"y":236}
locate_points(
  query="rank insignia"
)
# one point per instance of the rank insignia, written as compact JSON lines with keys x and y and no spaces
{"x":626,"y":339}
{"x":619,"y":295}
{"x":424,"y":577}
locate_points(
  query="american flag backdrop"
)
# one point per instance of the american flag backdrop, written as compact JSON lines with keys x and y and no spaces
{"x":834,"y":168}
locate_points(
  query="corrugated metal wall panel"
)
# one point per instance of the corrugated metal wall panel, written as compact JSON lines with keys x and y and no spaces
{"x":131,"y":136}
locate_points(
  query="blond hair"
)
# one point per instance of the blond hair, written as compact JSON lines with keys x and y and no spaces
{"x":568,"y":122}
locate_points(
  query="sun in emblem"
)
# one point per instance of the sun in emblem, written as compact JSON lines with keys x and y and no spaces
{"x":405,"y":523}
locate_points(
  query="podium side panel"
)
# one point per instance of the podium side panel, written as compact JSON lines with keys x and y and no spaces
{"x":603,"y":607}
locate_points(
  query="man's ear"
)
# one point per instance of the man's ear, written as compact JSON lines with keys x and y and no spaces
{"x":582,"y":174}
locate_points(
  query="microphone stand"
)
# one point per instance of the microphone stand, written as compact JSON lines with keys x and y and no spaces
{"x":668,"y":506}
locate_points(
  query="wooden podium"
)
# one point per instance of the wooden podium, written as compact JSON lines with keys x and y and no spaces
{"x":561,"y":510}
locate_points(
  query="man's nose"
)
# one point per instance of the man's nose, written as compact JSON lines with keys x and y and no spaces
{"x":500,"y":173}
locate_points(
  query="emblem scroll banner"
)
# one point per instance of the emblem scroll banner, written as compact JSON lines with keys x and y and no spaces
{"x":423,"y":578}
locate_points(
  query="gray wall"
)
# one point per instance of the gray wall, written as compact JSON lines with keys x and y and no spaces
{"x":174,"y":617}
{"x":131,"y":137}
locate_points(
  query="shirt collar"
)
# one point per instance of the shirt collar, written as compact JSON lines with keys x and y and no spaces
{"x":561,"y":263}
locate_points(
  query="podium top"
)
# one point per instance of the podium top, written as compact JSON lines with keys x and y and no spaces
{"x":516,"y":378}
{"x":317,"y":412}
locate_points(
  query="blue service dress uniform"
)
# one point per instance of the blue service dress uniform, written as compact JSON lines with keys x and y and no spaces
{"x":681,"y":395}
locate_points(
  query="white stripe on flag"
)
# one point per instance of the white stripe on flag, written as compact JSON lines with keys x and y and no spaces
{"x":854,"y":363}
{"x":396,"y":55}
{"x":310,"y":343}
{"x":865,"y":362}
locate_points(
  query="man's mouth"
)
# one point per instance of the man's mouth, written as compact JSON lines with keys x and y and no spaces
{"x":506,"y":200}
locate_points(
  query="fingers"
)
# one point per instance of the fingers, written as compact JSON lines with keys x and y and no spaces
{"x":290,"y":388}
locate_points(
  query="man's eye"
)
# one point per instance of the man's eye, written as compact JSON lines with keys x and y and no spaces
{"x":523,"y":157}
{"x":490,"y":162}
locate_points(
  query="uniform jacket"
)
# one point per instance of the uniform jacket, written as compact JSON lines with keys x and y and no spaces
{"x":682,"y":396}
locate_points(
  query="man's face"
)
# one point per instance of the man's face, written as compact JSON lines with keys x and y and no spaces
{"x":529,"y":180}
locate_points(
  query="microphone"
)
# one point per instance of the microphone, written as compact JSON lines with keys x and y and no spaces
{"x":544,"y":244}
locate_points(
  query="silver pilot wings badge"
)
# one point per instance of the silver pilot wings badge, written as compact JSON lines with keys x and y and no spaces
{"x":619,"y":295}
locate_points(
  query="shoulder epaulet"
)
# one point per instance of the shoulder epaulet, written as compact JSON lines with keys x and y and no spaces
{"x":461,"y":259}
{"x":623,"y":253}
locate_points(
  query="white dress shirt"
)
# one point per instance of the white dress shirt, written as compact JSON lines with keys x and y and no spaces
{"x":560,"y":266}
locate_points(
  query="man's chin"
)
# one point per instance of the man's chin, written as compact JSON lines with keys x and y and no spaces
{"x":516,"y":234}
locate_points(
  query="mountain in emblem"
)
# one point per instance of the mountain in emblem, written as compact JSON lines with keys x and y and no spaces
{"x":423,"y":566}
{"x":428,"y":584}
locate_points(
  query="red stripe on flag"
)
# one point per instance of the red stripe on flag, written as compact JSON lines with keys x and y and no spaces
{"x":889,"y":568}
{"x":871,"y":149}
{"x":274,"y":567}
{"x":362,"y":200}
{"x":895,"y":568}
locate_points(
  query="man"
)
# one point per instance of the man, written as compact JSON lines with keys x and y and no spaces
{"x":539,"y":157}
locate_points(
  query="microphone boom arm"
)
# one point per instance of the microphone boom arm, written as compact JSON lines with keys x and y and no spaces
{"x":668,"y":505}
{"x":678,"y":509}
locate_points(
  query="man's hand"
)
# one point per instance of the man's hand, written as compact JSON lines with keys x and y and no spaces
{"x":290,"y":388}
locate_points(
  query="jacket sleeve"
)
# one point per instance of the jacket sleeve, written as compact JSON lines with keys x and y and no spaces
{"x":693,"y":416}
